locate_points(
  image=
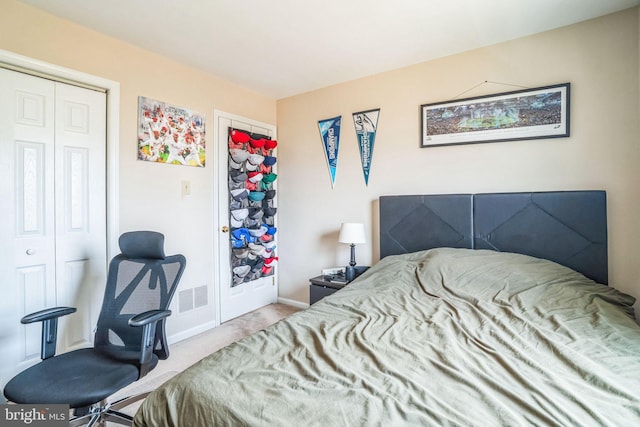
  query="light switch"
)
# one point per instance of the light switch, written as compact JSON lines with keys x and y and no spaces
{"x":186,"y":188}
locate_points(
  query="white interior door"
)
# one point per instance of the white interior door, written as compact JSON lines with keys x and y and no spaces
{"x":240,"y":299}
{"x":27,"y":263}
{"x":80,"y":209}
{"x":52,"y":192}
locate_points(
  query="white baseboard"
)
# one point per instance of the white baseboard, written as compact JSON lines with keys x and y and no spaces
{"x":180,"y":336}
{"x":183,"y":335}
{"x":293,"y":303}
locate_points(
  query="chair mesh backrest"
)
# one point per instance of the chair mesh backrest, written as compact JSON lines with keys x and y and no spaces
{"x":135,"y":285}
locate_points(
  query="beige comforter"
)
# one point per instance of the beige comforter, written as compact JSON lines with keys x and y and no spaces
{"x":435,"y":338}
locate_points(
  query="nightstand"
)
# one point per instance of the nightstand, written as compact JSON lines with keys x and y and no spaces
{"x":320,"y":288}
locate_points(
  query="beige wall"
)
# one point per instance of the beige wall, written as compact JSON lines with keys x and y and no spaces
{"x":600,"y":60}
{"x":150,"y":196}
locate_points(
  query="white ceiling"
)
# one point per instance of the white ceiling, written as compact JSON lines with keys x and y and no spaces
{"x":285,"y":47}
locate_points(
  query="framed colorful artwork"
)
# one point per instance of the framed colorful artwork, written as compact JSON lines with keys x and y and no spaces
{"x":170,"y":134}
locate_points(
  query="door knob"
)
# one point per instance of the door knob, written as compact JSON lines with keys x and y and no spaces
{"x":225,"y":229}
{"x":31,"y":251}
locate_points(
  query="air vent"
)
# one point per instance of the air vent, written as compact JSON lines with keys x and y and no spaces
{"x":185,"y":300}
{"x":200,"y":296}
{"x":189,"y":299}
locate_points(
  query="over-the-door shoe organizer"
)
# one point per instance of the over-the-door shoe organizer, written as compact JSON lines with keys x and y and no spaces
{"x":252,"y":207}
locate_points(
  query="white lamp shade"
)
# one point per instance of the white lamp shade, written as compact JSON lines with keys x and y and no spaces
{"x":352,"y":232}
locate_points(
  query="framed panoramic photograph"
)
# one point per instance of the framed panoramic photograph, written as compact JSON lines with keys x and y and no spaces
{"x":541,"y":112}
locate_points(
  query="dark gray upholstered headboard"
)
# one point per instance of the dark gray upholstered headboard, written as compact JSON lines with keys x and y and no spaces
{"x":567,"y":227}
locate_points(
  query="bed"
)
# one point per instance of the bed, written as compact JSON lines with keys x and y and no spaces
{"x":485,"y":310}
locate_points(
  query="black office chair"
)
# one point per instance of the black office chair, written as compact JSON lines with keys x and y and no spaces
{"x":130,"y":337}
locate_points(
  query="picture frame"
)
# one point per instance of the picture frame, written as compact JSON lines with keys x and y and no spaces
{"x":535,"y":113}
{"x":170,"y":134}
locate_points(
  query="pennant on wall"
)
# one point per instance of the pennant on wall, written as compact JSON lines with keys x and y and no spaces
{"x":330,"y":133}
{"x":366,"y":123}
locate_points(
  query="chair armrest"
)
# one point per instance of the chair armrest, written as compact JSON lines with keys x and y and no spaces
{"x":47,"y":314}
{"x":49,"y":319}
{"x":148,"y":317}
{"x":148,"y":321}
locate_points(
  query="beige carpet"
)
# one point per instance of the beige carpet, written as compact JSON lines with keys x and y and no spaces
{"x":185,"y":353}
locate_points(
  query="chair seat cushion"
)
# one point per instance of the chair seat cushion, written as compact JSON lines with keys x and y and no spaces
{"x":78,"y":378}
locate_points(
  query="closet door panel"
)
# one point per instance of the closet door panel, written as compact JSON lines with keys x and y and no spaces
{"x":27,"y":200}
{"x":80,"y":182}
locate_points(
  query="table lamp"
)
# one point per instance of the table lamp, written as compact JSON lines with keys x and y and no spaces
{"x":351,"y":233}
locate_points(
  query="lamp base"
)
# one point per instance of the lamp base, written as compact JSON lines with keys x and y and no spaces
{"x":349,"y":273}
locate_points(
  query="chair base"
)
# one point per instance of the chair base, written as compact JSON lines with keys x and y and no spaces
{"x":102,"y":412}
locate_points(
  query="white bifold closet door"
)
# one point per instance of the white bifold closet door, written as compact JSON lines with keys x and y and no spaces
{"x":52,"y":212}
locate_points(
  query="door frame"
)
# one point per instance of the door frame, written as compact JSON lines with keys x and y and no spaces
{"x":16,"y":62}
